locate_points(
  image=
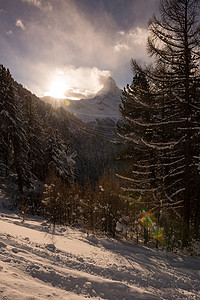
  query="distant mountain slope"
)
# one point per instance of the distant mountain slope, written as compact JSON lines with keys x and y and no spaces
{"x":104,"y":105}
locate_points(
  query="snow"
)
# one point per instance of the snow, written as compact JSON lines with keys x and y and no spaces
{"x":38,"y":262}
{"x":105,"y":104}
{"x":154,"y":124}
{"x":163,"y":146}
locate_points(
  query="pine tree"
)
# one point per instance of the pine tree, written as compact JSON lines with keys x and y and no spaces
{"x":136,"y":109}
{"x":7,"y":117}
{"x":109,"y":206}
{"x":53,"y":200}
{"x":36,"y":137}
{"x":14,"y":144}
{"x":59,"y":156}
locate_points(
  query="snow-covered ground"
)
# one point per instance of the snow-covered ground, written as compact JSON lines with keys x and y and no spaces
{"x":37,"y":263}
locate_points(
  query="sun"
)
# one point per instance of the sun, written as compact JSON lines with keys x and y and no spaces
{"x":58,"y":88}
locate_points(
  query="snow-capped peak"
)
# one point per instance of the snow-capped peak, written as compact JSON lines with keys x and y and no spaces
{"x":110,"y":88}
{"x":104,"y":105}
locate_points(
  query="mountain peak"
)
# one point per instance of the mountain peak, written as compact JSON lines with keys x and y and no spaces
{"x":105,"y":104}
{"x":109,"y":88}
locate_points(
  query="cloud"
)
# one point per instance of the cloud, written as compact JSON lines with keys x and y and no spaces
{"x":65,"y":39}
{"x":79,"y":83}
{"x":86,"y":78}
{"x":19,"y":23}
{"x":2,"y":10}
{"x":120,"y":47}
{"x":9,"y":32}
{"x":41,"y":4}
{"x":128,"y":40}
{"x":83,"y":42}
{"x":36,"y":3}
{"x":76,"y":94}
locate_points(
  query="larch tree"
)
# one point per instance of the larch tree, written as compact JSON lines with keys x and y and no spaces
{"x":174,"y":43}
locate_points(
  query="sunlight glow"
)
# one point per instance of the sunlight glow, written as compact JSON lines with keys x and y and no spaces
{"x":58,"y":87}
{"x":75,"y":83}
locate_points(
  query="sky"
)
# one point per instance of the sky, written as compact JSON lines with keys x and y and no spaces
{"x":69,"y":47}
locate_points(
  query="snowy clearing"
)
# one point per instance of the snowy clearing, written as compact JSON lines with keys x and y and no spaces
{"x":37,"y":263}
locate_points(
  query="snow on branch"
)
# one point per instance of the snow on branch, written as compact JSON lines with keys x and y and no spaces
{"x":171,"y":173}
{"x":159,"y":164}
{"x":138,"y":190}
{"x":137,"y":100}
{"x":140,"y":102}
{"x":169,"y":198}
{"x":194,"y":106}
{"x":127,"y":178}
{"x":153,"y":124}
{"x":171,"y":204}
{"x":178,"y":98}
{"x":176,"y":169}
{"x":174,"y":183}
{"x":143,"y":166}
{"x":173,"y":163}
{"x":196,"y":157}
{"x":128,"y":138}
{"x":177,"y":192}
{"x":141,"y":173}
{"x":163,"y":146}
{"x":133,"y":199}
{"x":176,"y":212}
{"x":190,"y":128}
{"x":175,"y":174}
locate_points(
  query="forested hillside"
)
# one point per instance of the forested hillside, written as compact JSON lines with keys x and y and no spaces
{"x":36,"y":139}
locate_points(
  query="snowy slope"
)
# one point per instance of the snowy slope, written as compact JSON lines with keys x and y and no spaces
{"x":37,"y":263}
{"x":104,"y":105}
